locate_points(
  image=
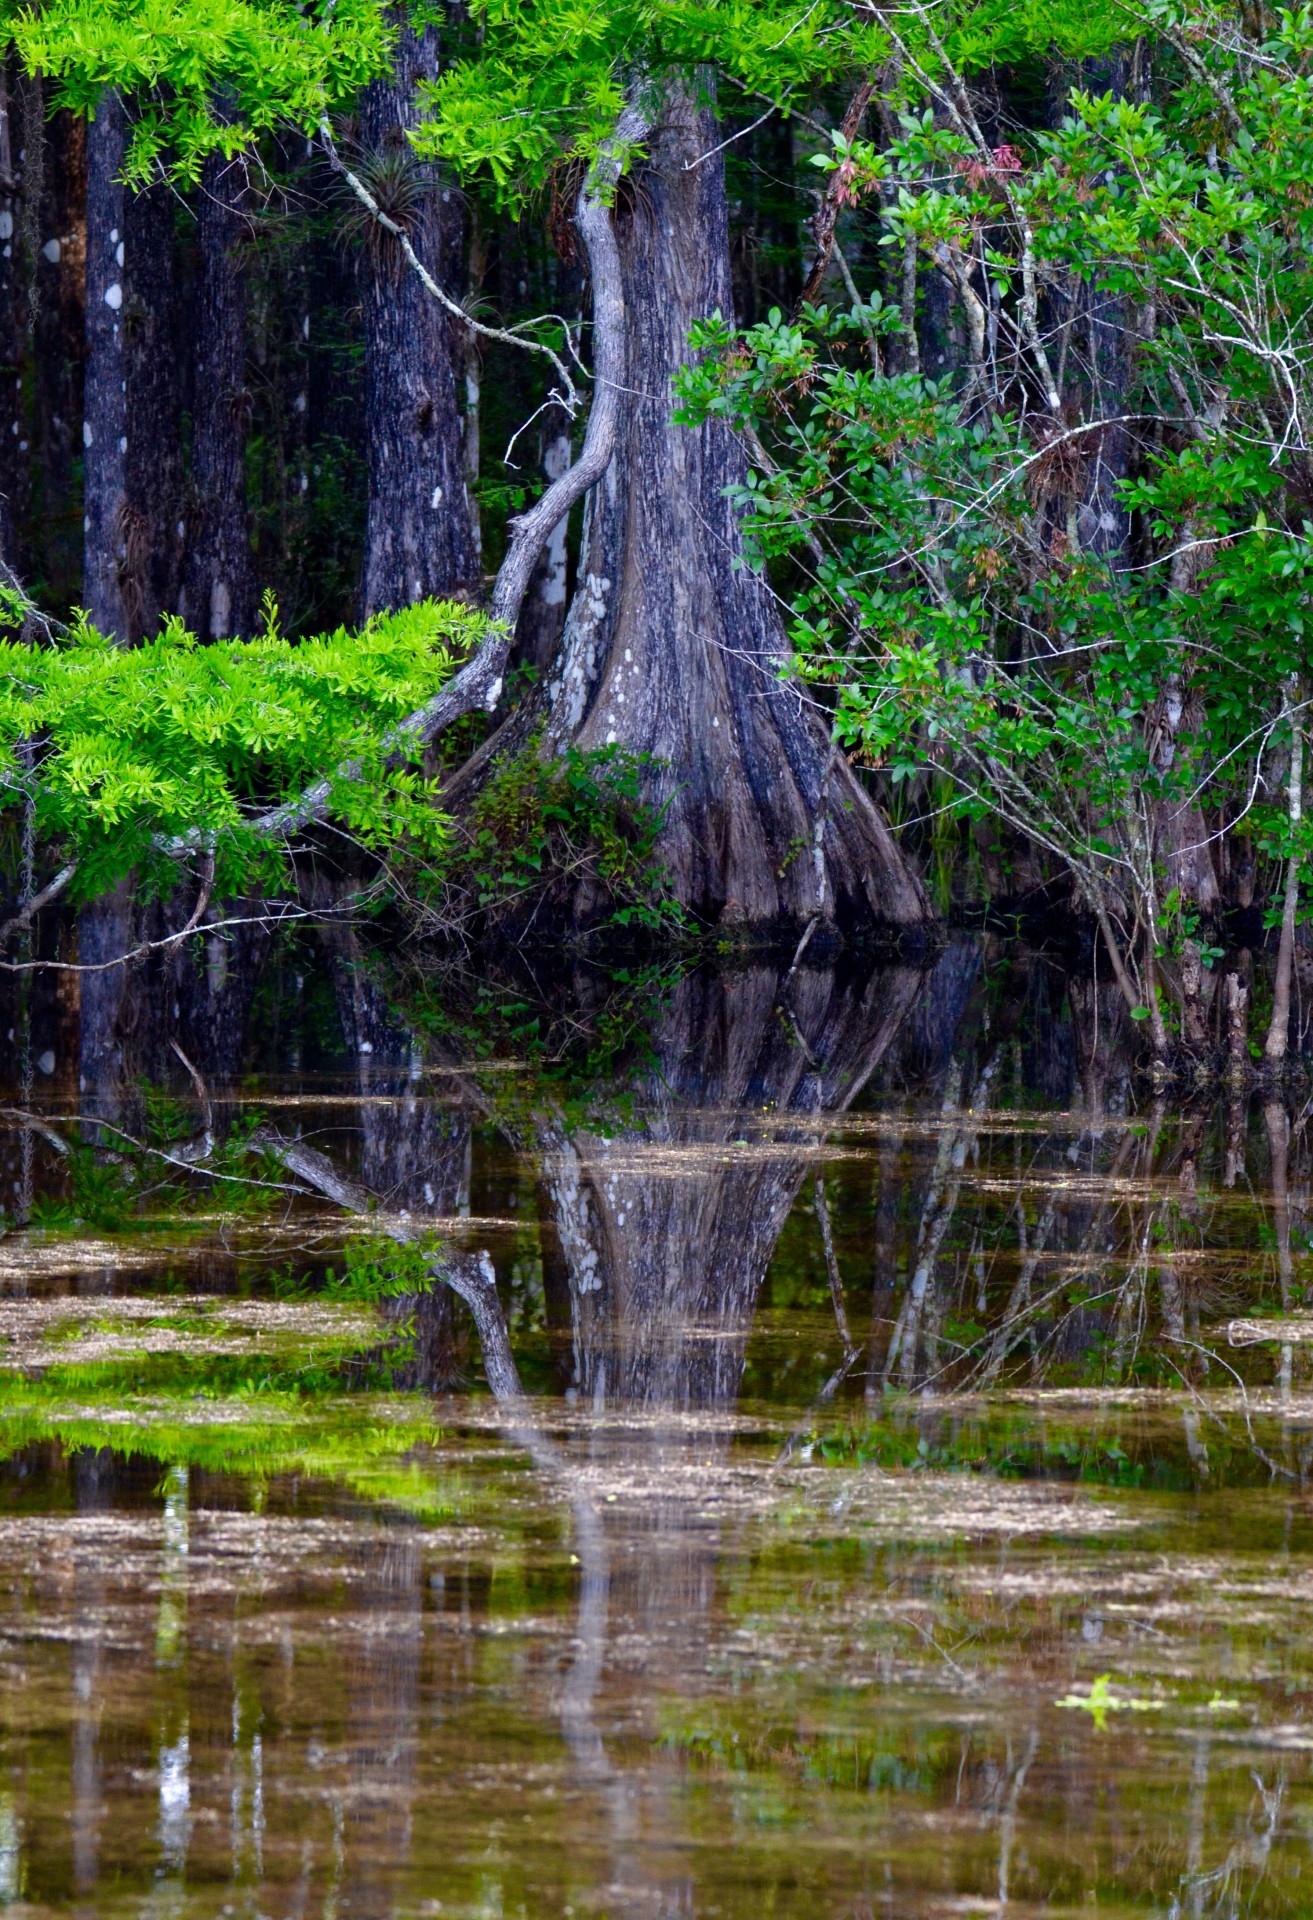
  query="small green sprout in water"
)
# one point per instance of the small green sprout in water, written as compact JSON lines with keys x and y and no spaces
{"x":1099,"y":1702}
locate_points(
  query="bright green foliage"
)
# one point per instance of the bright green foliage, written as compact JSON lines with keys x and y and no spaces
{"x":140,"y":753}
{"x":553,"y":75}
{"x":205,"y":75}
{"x":550,"y":76}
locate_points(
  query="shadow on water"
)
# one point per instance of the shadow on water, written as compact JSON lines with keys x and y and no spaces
{"x":893,"y":1497}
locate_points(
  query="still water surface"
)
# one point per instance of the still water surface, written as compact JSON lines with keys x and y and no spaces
{"x":907,"y":1511}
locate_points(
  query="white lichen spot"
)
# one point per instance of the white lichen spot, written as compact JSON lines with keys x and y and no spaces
{"x":493,"y":694}
{"x":118,"y":254}
{"x":86,"y":433}
{"x":123,"y":443}
{"x":436,"y":501}
{"x":6,"y":225}
{"x":114,"y":296}
{"x":113,"y":236}
{"x":52,"y":251}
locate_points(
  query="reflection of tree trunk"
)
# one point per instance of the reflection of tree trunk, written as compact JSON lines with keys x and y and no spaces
{"x":936,"y":1216}
{"x":1278,"y":1140}
{"x":413,"y":1153}
{"x":93,"y":1474}
{"x":666,"y":1228}
{"x":671,"y":648}
{"x":382,"y":1681}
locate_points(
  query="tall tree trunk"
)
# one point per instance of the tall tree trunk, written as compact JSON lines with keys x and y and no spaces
{"x":15,"y":269}
{"x":54,"y":233}
{"x":131,"y":501}
{"x":104,"y":925}
{"x":105,"y":400}
{"x":154,"y":530}
{"x":130,"y":423}
{"x":419,"y":539}
{"x":672,"y":651}
{"x":220,"y":587}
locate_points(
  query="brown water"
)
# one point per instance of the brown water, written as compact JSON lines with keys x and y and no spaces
{"x":963,"y":1566}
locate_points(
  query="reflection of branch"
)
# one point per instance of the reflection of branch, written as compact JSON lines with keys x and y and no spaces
{"x":832,"y":1268}
{"x":470,"y":1276}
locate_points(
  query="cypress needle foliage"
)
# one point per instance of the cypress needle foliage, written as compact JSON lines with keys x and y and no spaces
{"x":268,"y":62}
{"x":125,"y":752}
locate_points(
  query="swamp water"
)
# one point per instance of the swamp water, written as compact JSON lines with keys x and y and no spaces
{"x":909,"y":1509}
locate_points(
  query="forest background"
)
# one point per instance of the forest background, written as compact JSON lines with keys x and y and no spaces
{"x":528,"y":469}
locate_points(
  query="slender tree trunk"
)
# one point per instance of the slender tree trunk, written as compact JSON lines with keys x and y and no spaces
{"x":672,"y":651}
{"x":104,"y":402}
{"x":153,"y":525}
{"x":220,"y":586}
{"x":419,"y":539}
{"x":104,"y":925}
{"x":130,"y":414}
{"x":54,"y":234}
{"x":132,"y":499}
{"x":1278,"y":1033}
{"x":15,"y":268}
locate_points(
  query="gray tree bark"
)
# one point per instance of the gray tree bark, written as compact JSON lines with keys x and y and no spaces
{"x":674,"y":651}
{"x":220,"y":596}
{"x":419,"y":537}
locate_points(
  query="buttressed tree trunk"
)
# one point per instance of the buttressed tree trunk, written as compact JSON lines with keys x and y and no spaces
{"x":419,"y":538}
{"x":670,"y":651}
{"x":220,"y":588}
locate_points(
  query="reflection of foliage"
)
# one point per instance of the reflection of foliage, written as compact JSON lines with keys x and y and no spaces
{"x":253,"y":1429}
{"x":148,"y":1184}
{"x":372,"y":1270}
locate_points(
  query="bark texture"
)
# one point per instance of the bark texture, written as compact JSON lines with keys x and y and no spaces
{"x":14,"y":268}
{"x":130,"y":414}
{"x":104,"y":402}
{"x":419,"y":538}
{"x":220,"y":588}
{"x":669,"y":651}
{"x":54,"y":236}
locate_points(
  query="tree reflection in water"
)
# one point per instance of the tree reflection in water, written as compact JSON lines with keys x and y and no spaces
{"x":835,"y":1490}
